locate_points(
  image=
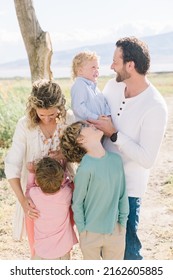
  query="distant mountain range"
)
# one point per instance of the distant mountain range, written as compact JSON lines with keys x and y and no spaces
{"x":161,"y":50}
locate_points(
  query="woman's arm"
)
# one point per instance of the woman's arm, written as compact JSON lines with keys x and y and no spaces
{"x":26,"y":203}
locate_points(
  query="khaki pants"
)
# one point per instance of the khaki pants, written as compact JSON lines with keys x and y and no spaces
{"x":65,"y":257}
{"x":96,"y":246}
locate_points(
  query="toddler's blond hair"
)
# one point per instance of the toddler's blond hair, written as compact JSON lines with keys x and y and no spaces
{"x":80,"y":59}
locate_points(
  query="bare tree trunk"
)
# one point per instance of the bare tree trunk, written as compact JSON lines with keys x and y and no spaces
{"x":37,"y":42}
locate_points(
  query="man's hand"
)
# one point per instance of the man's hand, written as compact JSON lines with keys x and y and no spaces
{"x":105,"y":124}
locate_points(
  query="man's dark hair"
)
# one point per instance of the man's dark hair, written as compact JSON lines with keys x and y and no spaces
{"x":135,"y":50}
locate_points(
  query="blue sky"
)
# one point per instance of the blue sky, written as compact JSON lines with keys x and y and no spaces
{"x":73,"y":23}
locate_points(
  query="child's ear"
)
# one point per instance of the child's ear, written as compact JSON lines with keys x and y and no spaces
{"x":36,"y":183}
{"x":80,"y":139}
{"x":80,"y":71}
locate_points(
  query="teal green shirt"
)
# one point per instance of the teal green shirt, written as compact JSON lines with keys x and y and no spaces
{"x":100,"y":199}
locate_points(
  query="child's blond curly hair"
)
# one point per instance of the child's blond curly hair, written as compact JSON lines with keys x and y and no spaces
{"x":80,"y":59}
{"x":71,"y":148}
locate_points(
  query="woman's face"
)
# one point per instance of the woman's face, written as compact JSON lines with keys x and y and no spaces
{"x":47,"y":116}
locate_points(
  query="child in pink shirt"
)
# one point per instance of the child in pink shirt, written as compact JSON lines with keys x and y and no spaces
{"x":54,"y":235}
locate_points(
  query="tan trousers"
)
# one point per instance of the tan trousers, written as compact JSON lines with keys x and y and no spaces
{"x":96,"y":246}
{"x":65,"y":257}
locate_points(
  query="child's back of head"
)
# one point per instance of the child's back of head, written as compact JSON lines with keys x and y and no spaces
{"x":49,"y":175}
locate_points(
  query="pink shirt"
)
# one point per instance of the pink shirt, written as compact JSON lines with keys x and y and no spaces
{"x":53,"y":232}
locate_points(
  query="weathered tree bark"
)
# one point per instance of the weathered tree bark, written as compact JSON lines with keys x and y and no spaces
{"x":37,"y":42}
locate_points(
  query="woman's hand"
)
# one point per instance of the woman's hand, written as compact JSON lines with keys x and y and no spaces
{"x":58,"y":155}
{"x":30,"y":166}
{"x":29,"y":208}
{"x":26,"y":203}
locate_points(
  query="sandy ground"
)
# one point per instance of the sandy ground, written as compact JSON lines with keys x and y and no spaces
{"x":156,"y":222}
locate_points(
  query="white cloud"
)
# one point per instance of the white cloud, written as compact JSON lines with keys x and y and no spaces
{"x":142,"y":29}
{"x":80,"y":37}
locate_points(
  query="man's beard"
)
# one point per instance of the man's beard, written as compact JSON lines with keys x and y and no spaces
{"x":122,"y":76}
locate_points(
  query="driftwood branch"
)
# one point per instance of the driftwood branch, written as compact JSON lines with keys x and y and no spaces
{"x":37,"y":42}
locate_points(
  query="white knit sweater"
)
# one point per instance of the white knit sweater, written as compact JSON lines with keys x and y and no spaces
{"x":141,"y":122}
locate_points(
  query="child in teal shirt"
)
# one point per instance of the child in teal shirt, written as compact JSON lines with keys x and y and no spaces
{"x":100,"y":202}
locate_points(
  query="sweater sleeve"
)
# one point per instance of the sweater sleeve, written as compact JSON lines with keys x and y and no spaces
{"x":79,"y":194}
{"x":17,"y":152}
{"x":152,"y":132}
{"x":123,"y":204}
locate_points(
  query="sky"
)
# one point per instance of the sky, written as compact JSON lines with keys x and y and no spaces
{"x":76,"y":23}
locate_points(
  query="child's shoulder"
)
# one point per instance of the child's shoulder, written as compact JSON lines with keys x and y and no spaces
{"x":85,"y":164}
{"x":80,"y":81}
{"x":35,"y":190}
{"x":114,"y":156}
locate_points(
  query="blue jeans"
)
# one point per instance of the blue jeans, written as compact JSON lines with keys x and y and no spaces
{"x":133,"y":244}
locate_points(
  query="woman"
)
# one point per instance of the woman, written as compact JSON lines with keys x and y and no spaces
{"x":36,"y":135}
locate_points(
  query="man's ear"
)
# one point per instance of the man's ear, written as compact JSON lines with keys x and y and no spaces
{"x":131,"y":65}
